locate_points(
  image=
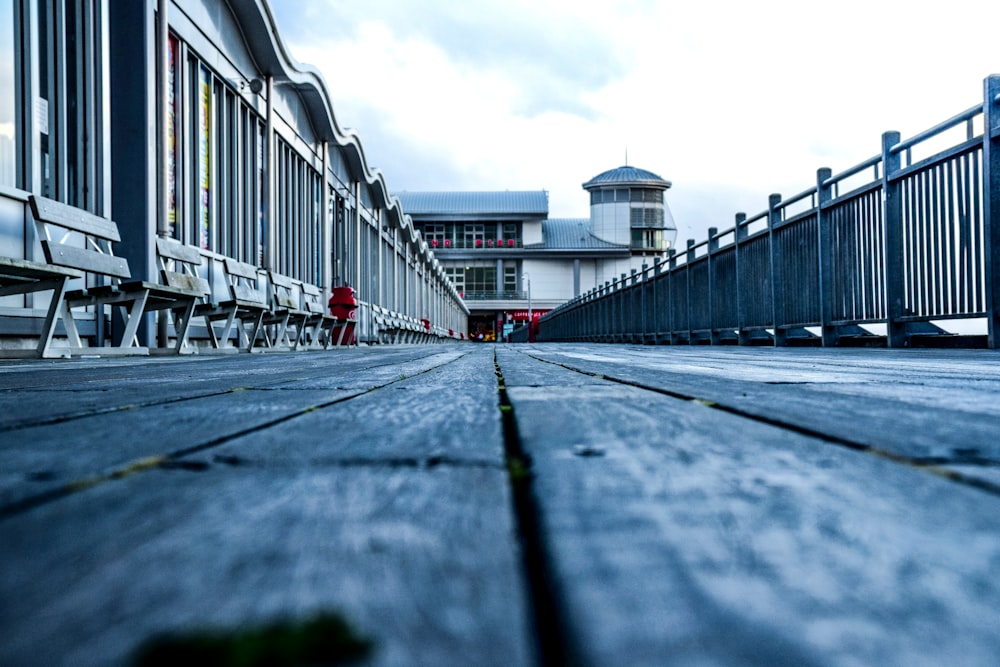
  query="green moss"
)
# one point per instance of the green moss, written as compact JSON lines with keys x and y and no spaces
{"x":518,"y":469}
{"x":326,"y":639}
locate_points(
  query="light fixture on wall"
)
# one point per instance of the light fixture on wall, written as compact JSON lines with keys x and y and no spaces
{"x":254,"y":85}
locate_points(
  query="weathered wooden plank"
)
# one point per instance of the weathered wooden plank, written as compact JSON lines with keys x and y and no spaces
{"x":106,"y":419}
{"x":683,"y":535}
{"x":45,"y":459}
{"x":445,"y":415}
{"x":71,"y":217}
{"x":421,"y":561}
{"x":33,"y":392}
{"x":938,"y":406}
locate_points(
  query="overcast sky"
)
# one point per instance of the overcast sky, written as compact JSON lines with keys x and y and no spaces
{"x":728,"y":100}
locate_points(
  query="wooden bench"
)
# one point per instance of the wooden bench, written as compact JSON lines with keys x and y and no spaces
{"x":58,"y":224}
{"x":21,"y":276}
{"x":286,"y":314}
{"x":245,"y":300}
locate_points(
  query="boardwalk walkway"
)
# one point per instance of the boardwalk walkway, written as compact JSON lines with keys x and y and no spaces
{"x":510,"y":505}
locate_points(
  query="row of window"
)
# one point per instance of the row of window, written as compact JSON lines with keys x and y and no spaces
{"x":471,"y":234}
{"x":481,"y":281}
{"x":634,"y":195}
{"x":63,"y":102}
{"x":646,"y":217}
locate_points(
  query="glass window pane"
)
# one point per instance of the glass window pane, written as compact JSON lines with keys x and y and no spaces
{"x":8,"y":94}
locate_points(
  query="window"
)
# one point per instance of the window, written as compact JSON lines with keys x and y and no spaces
{"x":475,"y":234}
{"x":456,"y":274}
{"x":481,"y":279}
{"x":510,"y":281}
{"x":67,"y":108}
{"x":646,"y":196}
{"x":648,"y":239}
{"x":8,"y":95}
{"x":216,"y":157}
{"x":646,"y":217}
{"x":434,"y":235}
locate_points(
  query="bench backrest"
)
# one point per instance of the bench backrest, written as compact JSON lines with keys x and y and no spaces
{"x":95,"y":255}
{"x":284,"y":291}
{"x":312,"y":299}
{"x":179,"y":266}
{"x":245,"y":281}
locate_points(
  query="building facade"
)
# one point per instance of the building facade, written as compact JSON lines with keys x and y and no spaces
{"x":511,"y":262}
{"x":188,"y":119}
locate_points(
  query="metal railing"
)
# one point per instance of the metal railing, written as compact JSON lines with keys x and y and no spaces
{"x":898,"y":241}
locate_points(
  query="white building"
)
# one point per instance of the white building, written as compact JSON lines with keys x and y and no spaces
{"x":506,"y":256}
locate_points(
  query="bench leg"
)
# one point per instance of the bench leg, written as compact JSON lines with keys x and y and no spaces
{"x":182,"y":321}
{"x":72,"y":334}
{"x":257,"y":328}
{"x":56,"y":306}
{"x":135,"y":310}
{"x":227,"y":330}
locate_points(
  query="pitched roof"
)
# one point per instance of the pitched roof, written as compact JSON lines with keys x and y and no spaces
{"x":532,"y":203}
{"x":571,"y":234}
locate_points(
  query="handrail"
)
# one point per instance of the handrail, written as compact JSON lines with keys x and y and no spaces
{"x":904,"y":250}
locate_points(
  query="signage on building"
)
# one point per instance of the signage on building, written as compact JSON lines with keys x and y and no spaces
{"x":523,"y":314}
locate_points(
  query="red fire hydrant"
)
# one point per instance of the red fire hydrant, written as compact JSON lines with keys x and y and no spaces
{"x":343,"y":305}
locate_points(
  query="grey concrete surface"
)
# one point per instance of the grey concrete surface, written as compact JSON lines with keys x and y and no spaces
{"x":692,"y":506}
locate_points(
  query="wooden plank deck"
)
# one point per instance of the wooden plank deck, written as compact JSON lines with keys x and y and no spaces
{"x":510,"y":505}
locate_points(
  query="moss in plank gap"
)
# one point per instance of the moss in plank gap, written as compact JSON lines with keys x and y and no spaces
{"x":326,"y":639}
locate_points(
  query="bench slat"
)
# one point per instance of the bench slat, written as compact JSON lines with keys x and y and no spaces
{"x":186,"y":282}
{"x":69,"y":217}
{"x":12,"y":268}
{"x":176,"y":250}
{"x":241,"y":269}
{"x":247,"y":294}
{"x":86,"y":260}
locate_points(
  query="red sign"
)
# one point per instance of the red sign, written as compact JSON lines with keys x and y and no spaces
{"x":523,"y":314}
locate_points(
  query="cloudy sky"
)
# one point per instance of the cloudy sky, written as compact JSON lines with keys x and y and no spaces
{"x":729,"y":100}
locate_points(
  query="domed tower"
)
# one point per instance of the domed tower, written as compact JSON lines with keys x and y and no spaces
{"x":627,"y":207}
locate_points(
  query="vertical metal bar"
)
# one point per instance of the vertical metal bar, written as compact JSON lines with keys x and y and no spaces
{"x":688,"y":261}
{"x":962,"y":259}
{"x":893,"y":243}
{"x":713,"y":247}
{"x":824,"y":249}
{"x":777,"y":270}
{"x":991,"y":217}
{"x":742,"y":298}
{"x":950,"y":228}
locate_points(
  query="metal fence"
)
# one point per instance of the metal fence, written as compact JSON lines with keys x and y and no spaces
{"x":888,"y":247}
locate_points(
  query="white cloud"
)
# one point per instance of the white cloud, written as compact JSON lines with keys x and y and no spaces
{"x":729,"y":100}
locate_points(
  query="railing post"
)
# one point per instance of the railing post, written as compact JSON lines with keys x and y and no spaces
{"x":739,"y":236}
{"x":643,"y":303}
{"x":671,"y":275}
{"x":777,"y":271}
{"x":892,"y":215}
{"x":687,"y":279}
{"x":622,"y":316}
{"x":655,"y":287}
{"x":991,"y":220}
{"x":713,"y":245}
{"x":824,"y":194}
{"x":608,"y":310}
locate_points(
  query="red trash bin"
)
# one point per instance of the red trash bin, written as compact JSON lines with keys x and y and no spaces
{"x":343,"y":305}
